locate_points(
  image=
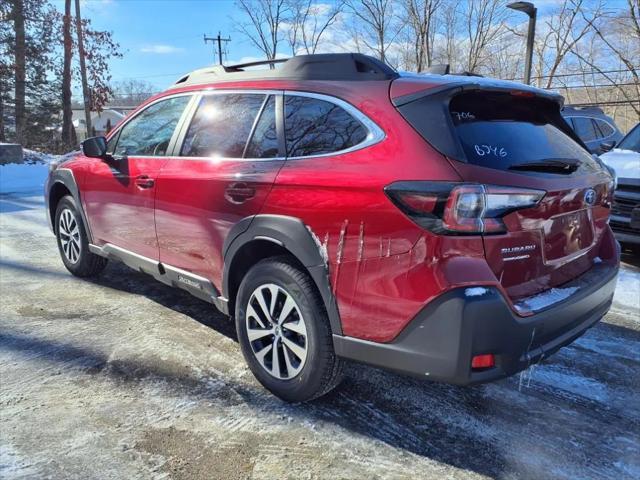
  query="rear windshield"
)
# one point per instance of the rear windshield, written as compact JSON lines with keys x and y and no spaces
{"x":499,"y":130}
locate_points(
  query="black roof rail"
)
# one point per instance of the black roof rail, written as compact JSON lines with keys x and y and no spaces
{"x":323,"y":66}
{"x":239,"y":67}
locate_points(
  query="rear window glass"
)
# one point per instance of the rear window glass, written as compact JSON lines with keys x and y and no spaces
{"x":500,"y":130}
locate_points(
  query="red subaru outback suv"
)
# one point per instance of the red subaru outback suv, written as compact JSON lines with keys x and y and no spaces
{"x":449,"y":227}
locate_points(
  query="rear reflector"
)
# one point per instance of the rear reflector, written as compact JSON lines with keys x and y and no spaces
{"x":483,"y":361}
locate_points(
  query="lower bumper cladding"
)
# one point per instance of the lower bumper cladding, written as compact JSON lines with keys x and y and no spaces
{"x":441,"y":342}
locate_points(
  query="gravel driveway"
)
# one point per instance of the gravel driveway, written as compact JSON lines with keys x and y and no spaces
{"x":122,"y":377}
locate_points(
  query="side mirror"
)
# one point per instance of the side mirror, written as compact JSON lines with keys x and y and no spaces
{"x":95,"y":147}
{"x":607,"y":146}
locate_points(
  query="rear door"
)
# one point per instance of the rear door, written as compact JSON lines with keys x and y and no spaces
{"x":226,"y":160}
{"x":517,"y":141}
{"x":119,"y":192}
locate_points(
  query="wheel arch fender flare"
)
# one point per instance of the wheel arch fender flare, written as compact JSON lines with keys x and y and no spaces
{"x":64,"y":177}
{"x":294,"y":236}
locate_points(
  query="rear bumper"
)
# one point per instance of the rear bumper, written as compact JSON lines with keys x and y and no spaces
{"x":441,"y":340}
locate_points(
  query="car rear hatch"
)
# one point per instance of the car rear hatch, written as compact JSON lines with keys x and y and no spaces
{"x":530,"y":188}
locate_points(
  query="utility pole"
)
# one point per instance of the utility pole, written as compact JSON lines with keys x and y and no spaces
{"x":219,"y":41}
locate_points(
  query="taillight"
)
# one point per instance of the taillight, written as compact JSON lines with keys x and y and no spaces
{"x":455,"y":209}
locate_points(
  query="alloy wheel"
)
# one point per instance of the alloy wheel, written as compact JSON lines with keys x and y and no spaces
{"x":69,"y":232}
{"x":277,"y":332}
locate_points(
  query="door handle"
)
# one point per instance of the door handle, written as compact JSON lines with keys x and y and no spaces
{"x":143,"y":181}
{"x":239,"y":192}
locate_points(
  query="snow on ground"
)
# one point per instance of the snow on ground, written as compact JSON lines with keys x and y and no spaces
{"x":28,"y":177}
{"x":627,"y":293}
{"x":23,"y":178}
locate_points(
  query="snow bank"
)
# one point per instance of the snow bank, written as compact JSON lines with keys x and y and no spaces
{"x":23,"y":178}
{"x":32,"y":156}
{"x":628,"y":291}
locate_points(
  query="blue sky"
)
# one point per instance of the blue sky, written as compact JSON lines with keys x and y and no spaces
{"x":163,"y":39}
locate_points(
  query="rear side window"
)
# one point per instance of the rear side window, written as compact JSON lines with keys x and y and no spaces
{"x":316,"y":127}
{"x":605,"y":129}
{"x":499,"y":130}
{"x":150,"y":132}
{"x":585,"y":128}
{"x":221,"y":125}
{"x":264,"y":141}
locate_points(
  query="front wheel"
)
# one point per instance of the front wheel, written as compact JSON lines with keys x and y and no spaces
{"x":284,"y":331}
{"x":73,"y":242}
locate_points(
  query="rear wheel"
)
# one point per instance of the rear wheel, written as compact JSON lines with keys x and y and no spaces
{"x":284,"y":331}
{"x":73,"y":242}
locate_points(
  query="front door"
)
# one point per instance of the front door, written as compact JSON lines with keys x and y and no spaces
{"x":223,"y":171}
{"x":119,"y":192}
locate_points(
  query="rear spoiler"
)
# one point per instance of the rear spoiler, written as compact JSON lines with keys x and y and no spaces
{"x":453,"y":89}
{"x":434,"y":102}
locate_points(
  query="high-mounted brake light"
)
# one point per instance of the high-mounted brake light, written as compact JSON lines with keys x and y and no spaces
{"x":458,"y":209}
{"x":522,"y":93}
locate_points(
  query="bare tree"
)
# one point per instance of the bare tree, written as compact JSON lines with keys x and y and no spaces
{"x":420,"y":21}
{"x":618,"y":36}
{"x":310,"y":21}
{"x":376,"y":17}
{"x":447,"y":51}
{"x":20,"y":69}
{"x":264,"y":25}
{"x":86,"y":94}
{"x":484,"y":22}
{"x":131,"y":92}
{"x":68,"y":133}
{"x":564,"y":30}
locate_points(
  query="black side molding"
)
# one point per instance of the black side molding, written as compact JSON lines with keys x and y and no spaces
{"x":293,"y":235}
{"x":65,"y":177}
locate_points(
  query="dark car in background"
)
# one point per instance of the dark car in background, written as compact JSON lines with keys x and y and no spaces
{"x":596,"y":129}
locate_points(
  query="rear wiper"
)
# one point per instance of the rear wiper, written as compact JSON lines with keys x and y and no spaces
{"x":551,"y":165}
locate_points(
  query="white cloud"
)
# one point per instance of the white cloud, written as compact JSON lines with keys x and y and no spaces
{"x":161,"y":49}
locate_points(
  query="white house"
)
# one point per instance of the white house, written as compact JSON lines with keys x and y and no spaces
{"x":101,"y":123}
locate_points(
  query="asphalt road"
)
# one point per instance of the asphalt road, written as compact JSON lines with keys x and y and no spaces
{"x":122,"y":377}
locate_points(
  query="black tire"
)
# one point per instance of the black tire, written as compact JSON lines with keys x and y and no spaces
{"x":87,"y":264}
{"x":322,"y":370}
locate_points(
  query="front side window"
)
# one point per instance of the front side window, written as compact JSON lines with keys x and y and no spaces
{"x":150,"y":132}
{"x":315,"y":127}
{"x":584,"y":128}
{"x":221,"y":125}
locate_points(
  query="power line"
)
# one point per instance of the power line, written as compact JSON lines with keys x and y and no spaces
{"x":219,"y":40}
{"x":562,"y":75}
{"x":607,"y":103}
{"x":607,"y":85}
